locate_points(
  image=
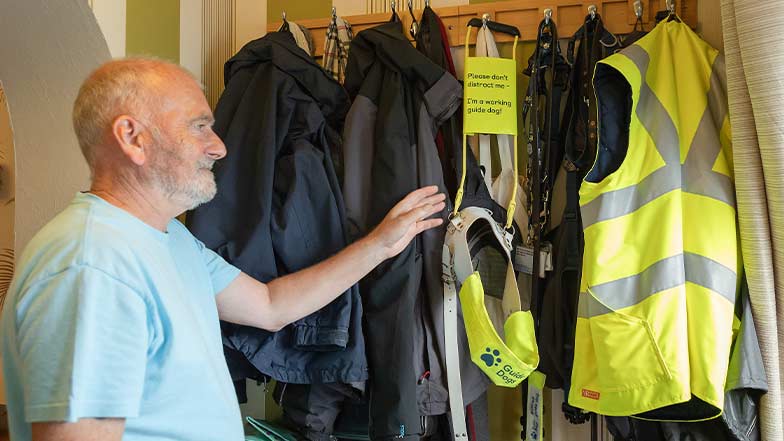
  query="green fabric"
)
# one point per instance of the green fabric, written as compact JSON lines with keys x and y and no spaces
{"x":269,"y":431}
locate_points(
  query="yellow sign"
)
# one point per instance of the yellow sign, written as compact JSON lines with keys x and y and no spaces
{"x":490,"y":96}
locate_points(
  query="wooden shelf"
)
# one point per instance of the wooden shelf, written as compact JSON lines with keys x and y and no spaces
{"x":618,"y":17}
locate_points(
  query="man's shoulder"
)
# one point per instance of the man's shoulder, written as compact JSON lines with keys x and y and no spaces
{"x":76,"y":237}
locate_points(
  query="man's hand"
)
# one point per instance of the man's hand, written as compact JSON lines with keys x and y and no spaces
{"x":272,"y":306}
{"x":407,"y":219}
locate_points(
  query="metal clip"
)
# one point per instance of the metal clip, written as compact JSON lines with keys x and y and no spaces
{"x":592,"y":11}
{"x":548,"y":15}
{"x":485,"y":19}
{"x":638,"y":8}
{"x":457,"y":222}
{"x":509,"y":235}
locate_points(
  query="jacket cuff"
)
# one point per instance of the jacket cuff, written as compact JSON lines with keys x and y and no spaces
{"x":320,"y":338}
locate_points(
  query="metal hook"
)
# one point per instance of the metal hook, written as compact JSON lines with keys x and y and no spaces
{"x":334,"y":13}
{"x":548,"y":15}
{"x":638,"y":8}
{"x":392,"y":4}
{"x":427,"y":3}
{"x":283,"y":15}
{"x":410,"y":5}
{"x":485,"y":19}
{"x":592,"y":11}
{"x":671,"y":6}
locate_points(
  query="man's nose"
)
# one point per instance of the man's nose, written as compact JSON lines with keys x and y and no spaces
{"x":216,"y":149}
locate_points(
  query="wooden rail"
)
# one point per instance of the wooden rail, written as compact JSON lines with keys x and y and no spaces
{"x":618,"y":17}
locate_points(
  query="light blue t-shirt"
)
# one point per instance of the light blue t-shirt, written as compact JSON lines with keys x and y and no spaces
{"x":109,"y":317}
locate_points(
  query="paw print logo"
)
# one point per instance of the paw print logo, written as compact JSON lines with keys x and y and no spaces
{"x":491,"y":357}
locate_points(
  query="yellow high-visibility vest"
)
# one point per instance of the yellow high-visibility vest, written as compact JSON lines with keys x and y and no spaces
{"x":661,"y":260}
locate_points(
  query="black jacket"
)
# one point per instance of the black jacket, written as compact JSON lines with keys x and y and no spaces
{"x":279,"y":206}
{"x":400,"y":100}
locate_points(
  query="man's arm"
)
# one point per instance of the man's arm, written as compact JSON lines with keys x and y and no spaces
{"x":272,"y":306}
{"x":86,"y":429}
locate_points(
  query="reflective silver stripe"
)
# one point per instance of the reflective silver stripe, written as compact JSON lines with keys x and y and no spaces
{"x":710,"y":274}
{"x":662,"y":275}
{"x":588,"y":306}
{"x":694,"y":176}
{"x":699,"y":178}
{"x":652,"y":113}
{"x":621,"y":202}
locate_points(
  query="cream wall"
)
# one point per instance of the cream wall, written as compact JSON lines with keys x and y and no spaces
{"x":111,"y":17}
{"x":191,"y":36}
{"x":250,"y":21}
{"x":41,"y":80}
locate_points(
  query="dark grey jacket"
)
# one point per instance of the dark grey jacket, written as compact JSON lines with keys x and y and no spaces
{"x":400,"y":100}
{"x":279,"y":207}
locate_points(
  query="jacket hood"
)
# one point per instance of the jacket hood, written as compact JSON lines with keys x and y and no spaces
{"x":280,"y":49}
{"x":387,"y":44}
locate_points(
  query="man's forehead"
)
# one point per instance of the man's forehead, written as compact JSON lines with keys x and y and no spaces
{"x":180,"y":90}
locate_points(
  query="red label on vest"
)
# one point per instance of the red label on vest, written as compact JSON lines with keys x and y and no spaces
{"x":592,"y":394}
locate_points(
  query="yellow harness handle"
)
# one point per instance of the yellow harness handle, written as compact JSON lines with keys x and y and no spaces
{"x":459,"y":197}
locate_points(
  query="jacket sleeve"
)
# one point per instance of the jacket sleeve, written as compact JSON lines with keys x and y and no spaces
{"x":251,"y":120}
{"x":307,"y":227}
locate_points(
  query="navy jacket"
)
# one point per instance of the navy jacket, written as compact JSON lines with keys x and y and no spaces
{"x":279,"y":207}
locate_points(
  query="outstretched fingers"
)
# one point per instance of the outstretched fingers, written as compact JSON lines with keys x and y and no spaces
{"x":427,"y":224}
{"x":422,"y":212}
{"x":413,"y":200}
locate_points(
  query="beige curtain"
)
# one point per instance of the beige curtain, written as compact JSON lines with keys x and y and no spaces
{"x":754,"y":46}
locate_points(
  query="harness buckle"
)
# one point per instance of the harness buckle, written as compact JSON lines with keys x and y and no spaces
{"x":456,"y":222}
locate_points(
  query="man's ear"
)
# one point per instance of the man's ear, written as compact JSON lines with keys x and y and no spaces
{"x":132,"y":137}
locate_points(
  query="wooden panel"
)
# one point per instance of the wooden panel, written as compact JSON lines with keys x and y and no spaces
{"x":614,"y":12}
{"x":569,"y":18}
{"x":618,"y":16}
{"x":452,"y":28}
{"x":527,"y":21}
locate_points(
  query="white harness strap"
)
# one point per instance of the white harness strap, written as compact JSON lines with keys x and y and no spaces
{"x":454,"y":384}
{"x":456,"y":265}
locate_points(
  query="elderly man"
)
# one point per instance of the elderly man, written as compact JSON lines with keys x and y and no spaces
{"x":110,"y":329}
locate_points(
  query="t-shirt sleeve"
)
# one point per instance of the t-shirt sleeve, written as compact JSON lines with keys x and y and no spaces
{"x":221,"y":272}
{"x":83,"y":340}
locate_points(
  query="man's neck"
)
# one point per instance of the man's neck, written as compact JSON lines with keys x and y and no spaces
{"x":138,"y":200}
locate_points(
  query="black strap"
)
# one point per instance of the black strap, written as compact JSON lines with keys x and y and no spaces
{"x":544,"y":143}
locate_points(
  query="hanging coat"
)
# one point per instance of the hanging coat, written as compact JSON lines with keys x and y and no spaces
{"x":279,"y":207}
{"x":400,"y":99}
{"x":336,"y":47}
{"x":303,"y":37}
{"x":432,"y":40}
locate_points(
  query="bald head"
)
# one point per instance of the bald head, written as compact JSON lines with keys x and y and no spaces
{"x":131,"y":86}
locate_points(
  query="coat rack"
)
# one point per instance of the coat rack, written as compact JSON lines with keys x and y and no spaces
{"x":618,"y":15}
